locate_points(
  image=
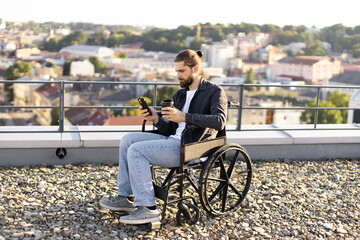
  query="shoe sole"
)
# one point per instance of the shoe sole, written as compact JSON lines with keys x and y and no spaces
{"x":124,"y":209}
{"x":141,"y":221}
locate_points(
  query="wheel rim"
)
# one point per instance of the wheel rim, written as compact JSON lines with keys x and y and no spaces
{"x":225,"y":180}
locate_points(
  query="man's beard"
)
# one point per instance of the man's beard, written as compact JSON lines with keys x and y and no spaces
{"x":186,"y":82}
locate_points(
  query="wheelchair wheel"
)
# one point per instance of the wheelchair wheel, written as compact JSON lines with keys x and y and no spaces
{"x":225,"y":180}
{"x":192,"y":219}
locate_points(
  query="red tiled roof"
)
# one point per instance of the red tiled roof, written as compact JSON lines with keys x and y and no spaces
{"x":350,"y":67}
{"x":48,"y":89}
{"x":305,"y":60}
{"x":97,"y":119}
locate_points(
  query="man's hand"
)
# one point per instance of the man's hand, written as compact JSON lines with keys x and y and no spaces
{"x":154,"y":118}
{"x":173,"y":114}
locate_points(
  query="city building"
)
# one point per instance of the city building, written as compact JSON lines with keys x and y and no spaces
{"x":45,"y":95}
{"x":218,"y":54}
{"x":86,"y":51}
{"x":82,"y":68}
{"x":23,"y":92}
{"x":313,"y":70}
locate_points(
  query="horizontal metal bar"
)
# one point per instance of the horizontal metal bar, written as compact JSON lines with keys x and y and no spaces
{"x":304,"y":108}
{"x":155,"y":84}
{"x":29,"y":107}
{"x":229,"y":130}
{"x":30,"y":81}
{"x":176,"y":84}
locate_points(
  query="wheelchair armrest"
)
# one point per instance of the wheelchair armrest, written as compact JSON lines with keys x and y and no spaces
{"x":233,"y":104}
{"x":144,"y":122}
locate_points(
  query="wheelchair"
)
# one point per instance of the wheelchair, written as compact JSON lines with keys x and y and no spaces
{"x":218,"y":172}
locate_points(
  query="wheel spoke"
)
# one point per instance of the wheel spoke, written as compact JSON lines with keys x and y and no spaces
{"x":222,"y":169}
{"x":232,"y":164}
{"x":224,"y":197}
{"x":235,"y":190}
{"x":225,"y":180}
{"x":217,"y":190}
{"x":216,"y":179}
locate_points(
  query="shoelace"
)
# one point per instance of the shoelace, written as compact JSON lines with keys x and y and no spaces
{"x":115,"y":199}
{"x":137,"y":211}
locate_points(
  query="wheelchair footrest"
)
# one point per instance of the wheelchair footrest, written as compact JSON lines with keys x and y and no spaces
{"x":161,"y":193}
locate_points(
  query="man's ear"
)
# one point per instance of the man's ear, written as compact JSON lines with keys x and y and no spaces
{"x":195,"y":68}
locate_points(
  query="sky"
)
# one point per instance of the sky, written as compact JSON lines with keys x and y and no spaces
{"x":171,"y":14}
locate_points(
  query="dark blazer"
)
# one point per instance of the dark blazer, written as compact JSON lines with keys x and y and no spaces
{"x":208,"y":108}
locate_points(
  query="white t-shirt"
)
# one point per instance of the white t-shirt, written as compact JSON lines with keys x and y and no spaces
{"x":185,"y":109}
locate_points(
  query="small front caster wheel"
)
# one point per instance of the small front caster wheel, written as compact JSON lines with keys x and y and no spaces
{"x":181,"y":218}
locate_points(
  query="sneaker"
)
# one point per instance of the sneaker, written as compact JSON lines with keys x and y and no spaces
{"x":118,"y":203}
{"x":141,"y":215}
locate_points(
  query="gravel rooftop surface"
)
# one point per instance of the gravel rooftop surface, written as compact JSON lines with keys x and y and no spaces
{"x":287,"y":200}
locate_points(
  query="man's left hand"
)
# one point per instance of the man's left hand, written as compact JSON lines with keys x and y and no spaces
{"x":173,"y":114}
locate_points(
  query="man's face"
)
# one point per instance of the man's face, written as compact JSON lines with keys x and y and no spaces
{"x":185,"y":74}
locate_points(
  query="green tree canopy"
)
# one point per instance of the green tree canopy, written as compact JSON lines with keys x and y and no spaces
{"x":55,"y":116}
{"x":315,"y":48}
{"x":250,"y":80}
{"x":123,"y":55}
{"x":17,"y":70}
{"x":99,"y":65}
{"x":99,"y":38}
{"x":66,"y":68}
{"x":335,"y":99}
{"x":50,"y":64}
{"x":75,"y":38}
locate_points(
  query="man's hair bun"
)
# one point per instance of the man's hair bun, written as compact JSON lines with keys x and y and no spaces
{"x":199,"y":53}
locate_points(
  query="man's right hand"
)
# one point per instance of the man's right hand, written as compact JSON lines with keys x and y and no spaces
{"x":154,"y":117}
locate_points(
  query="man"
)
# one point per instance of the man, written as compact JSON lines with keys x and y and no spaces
{"x":199,"y":102}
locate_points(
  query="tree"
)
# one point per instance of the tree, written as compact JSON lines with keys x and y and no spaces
{"x":335,"y":99}
{"x":340,"y":100}
{"x":52,"y":45}
{"x":17,"y":70}
{"x":123,"y":55}
{"x":99,"y":38}
{"x":356,"y":50}
{"x":315,"y":49}
{"x":196,"y":43}
{"x":259,"y":78}
{"x":55,"y":116}
{"x":66,"y":68}
{"x":50,"y":64}
{"x":74,"y":38}
{"x":99,"y":65}
{"x":250,"y":80}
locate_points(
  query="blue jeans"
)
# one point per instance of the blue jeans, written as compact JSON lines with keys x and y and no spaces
{"x":137,"y":152}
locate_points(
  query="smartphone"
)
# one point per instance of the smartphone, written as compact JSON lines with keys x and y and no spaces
{"x":144,"y":105}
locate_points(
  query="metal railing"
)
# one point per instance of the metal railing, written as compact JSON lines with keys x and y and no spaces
{"x":241,"y":90}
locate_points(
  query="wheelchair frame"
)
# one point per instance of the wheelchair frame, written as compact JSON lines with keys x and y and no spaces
{"x":225,"y":190}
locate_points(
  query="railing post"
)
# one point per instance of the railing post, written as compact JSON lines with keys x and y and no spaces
{"x":316,"y":107}
{"x":241,"y":96}
{"x":61,"y":106}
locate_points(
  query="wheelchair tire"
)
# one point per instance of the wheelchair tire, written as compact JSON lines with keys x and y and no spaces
{"x":194,"y":212}
{"x":225,"y":180}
